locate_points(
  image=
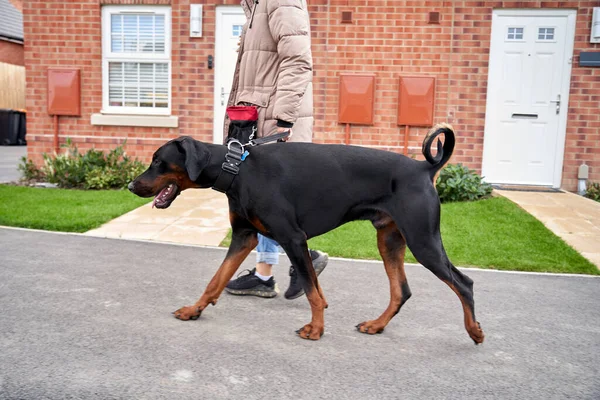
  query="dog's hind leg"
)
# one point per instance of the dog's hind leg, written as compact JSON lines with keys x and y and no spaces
{"x":243,"y":240}
{"x":297,"y":251}
{"x":392,"y":248}
{"x":429,"y":251}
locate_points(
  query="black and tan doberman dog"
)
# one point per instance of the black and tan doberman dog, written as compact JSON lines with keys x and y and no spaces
{"x":295,"y":191}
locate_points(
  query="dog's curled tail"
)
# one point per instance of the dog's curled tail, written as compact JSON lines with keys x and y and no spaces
{"x":443,"y":152}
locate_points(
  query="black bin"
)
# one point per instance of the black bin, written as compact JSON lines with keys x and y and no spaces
{"x":12,"y":127}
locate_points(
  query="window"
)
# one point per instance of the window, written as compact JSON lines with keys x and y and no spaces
{"x":546,"y":34}
{"x":136,"y":60}
{"x":515,"y":33}
{"x":236,"y":30}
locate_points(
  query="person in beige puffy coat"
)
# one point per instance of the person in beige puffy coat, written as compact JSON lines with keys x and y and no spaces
{"x":274,"y":67}
{"x":274,"y":73}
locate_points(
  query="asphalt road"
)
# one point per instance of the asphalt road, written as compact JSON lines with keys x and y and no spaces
{"x":89,"y":318}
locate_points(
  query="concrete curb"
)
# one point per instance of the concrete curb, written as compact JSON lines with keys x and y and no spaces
{"x":353,"y":260}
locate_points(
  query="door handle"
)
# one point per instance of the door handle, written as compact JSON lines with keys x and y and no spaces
{"x":557,"y":101}
{"x":223,"y":94}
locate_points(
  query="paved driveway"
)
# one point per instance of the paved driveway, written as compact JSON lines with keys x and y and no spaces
{"x":10,"y":157}
{"x":89,"y":318}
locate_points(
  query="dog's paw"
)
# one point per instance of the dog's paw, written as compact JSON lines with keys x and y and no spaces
{"x":370,"y":327}
{"x":476,"y":333}
{"x":187,"y":313}
{"x":311,"y":332}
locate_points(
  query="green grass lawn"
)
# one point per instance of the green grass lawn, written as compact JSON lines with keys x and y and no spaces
{"x":63,"y":209}
{"x":493,"y":233}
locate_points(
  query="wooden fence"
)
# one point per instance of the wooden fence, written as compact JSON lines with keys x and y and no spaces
{"x":12,"y":86}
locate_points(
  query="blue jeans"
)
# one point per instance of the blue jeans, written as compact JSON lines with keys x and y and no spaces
{"x":267,"y":250}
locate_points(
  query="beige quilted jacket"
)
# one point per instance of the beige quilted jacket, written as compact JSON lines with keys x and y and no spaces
{"x":274,"y":67}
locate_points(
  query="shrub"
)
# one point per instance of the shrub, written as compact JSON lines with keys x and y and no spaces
{"x":459,"y":183}
{"x":92,"y":170}
{"x":593,"y":191}
{"x":117,"y":171}
{"x":29,"y":170}
{"x":68,"y":169}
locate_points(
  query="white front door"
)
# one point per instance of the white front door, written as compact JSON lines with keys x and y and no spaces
{"x":229,"y":23}
{"x":527,"y":98}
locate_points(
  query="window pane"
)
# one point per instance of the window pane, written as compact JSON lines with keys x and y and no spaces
{"x":159,"y":33}
{"x":115,"y":96}
{"x":162,"y":85}
{"x":545,"y":33}
{"x":146,"y":33}
{"x":134,"y":84}
{"x":115,"y":84}
{"x":137,"y":33}
{"x":236,"y":30}
{"x":519,"y":33}
{"x":515,"y":33}
{"x":130,"y":33}
{"x":116,"y":33}
{"x":146,"y":85}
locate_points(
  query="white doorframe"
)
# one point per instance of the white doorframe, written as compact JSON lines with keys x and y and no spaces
{"x":219,"y":49}
{"x":565,"y":85}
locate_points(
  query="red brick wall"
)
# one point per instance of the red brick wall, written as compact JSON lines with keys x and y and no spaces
{"x":385,"y":38}
{"x":583,"y":124}
{"x":388,"y":41}
{"x":11,"y":53}
{"x":394,"y":40}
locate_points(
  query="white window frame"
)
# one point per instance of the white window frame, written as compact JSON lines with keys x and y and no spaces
{"x":108,"y":56}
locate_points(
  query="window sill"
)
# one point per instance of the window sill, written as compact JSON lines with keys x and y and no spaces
{"x":153,"y":121}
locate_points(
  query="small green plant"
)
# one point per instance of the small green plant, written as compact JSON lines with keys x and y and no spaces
{"x":92,"y":170}
{"x":593,"y":191}
{"x":29,"y":170}
{"x":459,"y":183}
{"x":117,"y":171}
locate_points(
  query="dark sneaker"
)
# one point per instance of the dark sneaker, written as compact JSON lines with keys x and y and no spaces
{"x":252,"y":285}
{"x":295,"y":290}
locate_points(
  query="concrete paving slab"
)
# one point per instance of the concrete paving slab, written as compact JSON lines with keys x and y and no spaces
{"x":189,"y":232}
{"x":199,"y":217}
{"x":90,"y":318}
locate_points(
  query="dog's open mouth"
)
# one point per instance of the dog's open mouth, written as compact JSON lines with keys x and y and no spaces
{"x":166,"y":196}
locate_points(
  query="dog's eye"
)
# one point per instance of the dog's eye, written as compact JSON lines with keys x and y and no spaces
{"x":156,"y":162}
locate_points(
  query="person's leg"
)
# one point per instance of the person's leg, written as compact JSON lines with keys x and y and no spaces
{"x":259,"y":281}
{"x":267,"y":255}
{"x":295,"y":290}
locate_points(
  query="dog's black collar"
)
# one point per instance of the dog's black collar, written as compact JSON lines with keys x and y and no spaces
{"x":236,"y":154}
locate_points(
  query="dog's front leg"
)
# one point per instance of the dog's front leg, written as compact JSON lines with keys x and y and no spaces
{"x":242,"y":243}
{"x":300,"y":258}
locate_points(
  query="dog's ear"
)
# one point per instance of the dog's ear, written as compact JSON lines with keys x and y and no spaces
{"x":197,"y":156}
